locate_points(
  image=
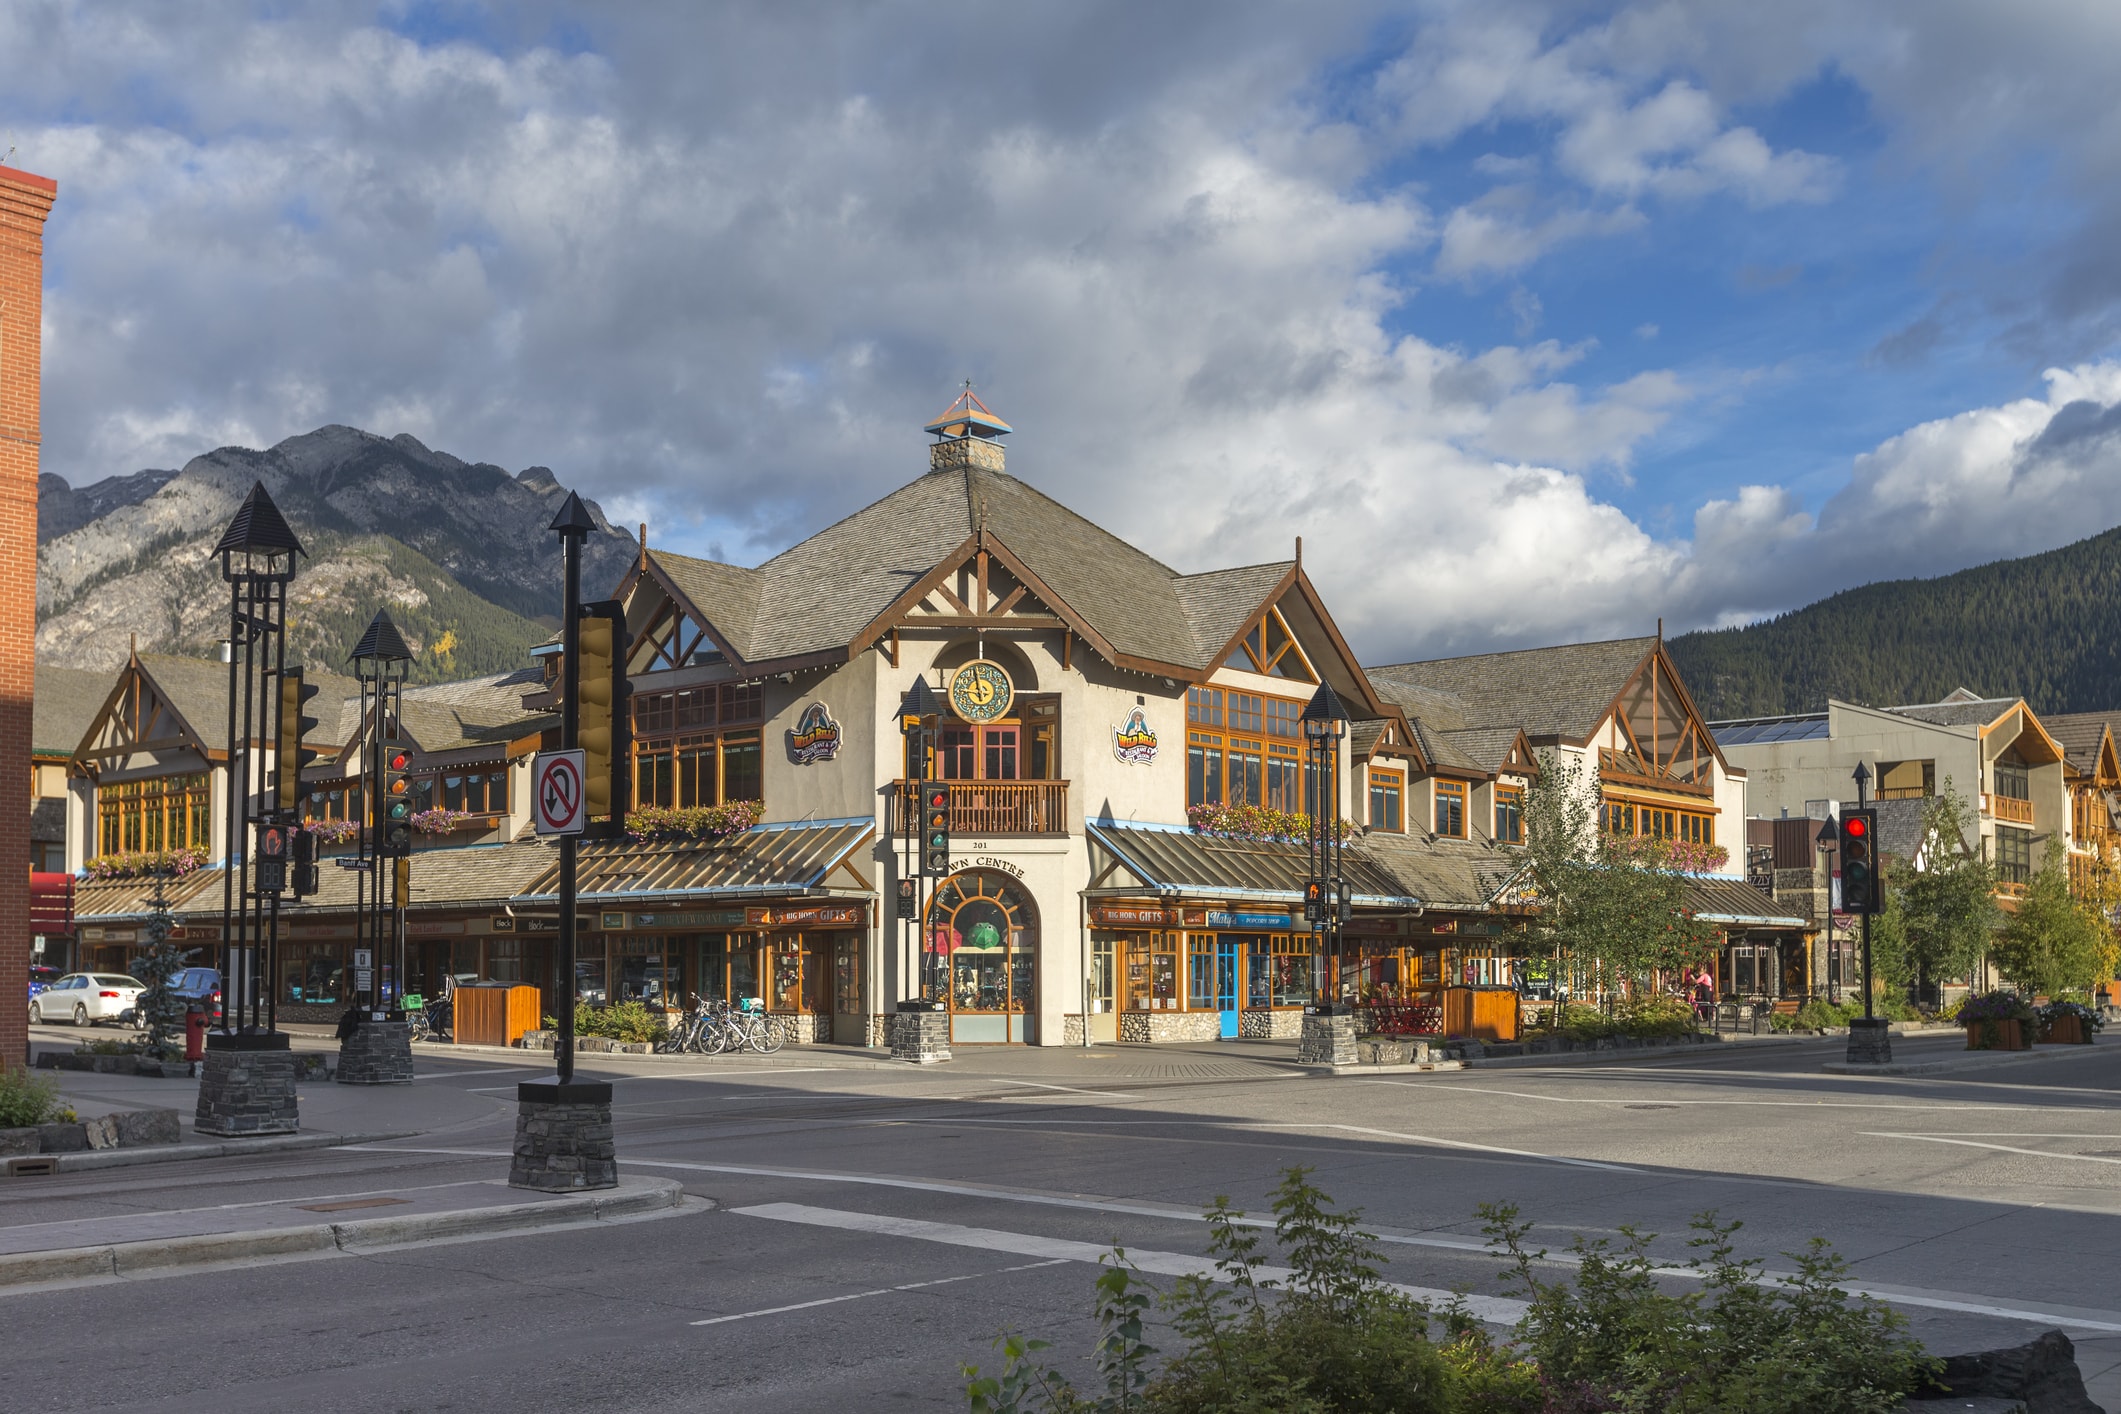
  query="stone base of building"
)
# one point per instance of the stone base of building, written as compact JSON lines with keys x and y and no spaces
{"x":872,"y":1029}
{"x":1328,"y":1037}
{"x":920,"y":1033}
{"x":805,"y":1029}
{"x":247,"y":1085}
{"x":1140,"y":1028}
{"x":563,"y":1137}
{"x":1270,"y":1024}
{"x":1870,"y":1042}
{"x":378,"y":1053}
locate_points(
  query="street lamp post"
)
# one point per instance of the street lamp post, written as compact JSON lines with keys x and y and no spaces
{"x":1829,"y":837}
{"x":1329,"y":1028}
{"x":1870,"y":1039}
{"x":923,"y":1033}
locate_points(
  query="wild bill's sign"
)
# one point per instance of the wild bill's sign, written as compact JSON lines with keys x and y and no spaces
{"x":815,"y":736}
{"x":1132,"y":741}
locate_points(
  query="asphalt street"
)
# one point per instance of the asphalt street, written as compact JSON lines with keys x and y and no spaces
{"x":873,"y":1228}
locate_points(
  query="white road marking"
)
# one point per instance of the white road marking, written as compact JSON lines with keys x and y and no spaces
{"x":1662,"y":1100}
{"x":1466,"y":1144}
{"x":1499,"y":1310}
{"x":446,"y":1074}
{"x":1065,"y":1089}
{"x":880,"y":1291}
{"x":1999,"y":1148}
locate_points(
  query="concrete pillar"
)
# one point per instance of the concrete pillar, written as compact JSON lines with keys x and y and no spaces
{"x":247,"y":1085}
{"x":1328,"y":1036}
{"x":922,"y":1035}
{"x":563,"y":1137}
{"x":378,"y":1053}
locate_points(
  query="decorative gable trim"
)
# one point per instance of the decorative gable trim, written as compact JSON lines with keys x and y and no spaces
{"x":137,"y":716}
{"x":680,"y":621}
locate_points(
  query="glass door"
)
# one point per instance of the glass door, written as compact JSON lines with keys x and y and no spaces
{"x":1227,"y":952}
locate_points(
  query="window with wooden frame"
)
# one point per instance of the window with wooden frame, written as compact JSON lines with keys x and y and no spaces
{"x":1451,"y":809}
{"x":1268,"y":647}
{"x":671,"y":639}
{"x":1629,"y":819}
{"x":699,"y":746}
{"x":2014,"y":855}
{"x":478,"y":790}
{"x":1387,"y":795}
{"x":1509,"y":814}
{"x":167,"y":812}
{"x":334,"y":800}
{"x":1242,"y":749}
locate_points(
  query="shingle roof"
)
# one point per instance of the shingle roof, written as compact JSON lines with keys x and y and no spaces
{"x":1978,"y":713}
{"x":1210,"y":866}
{"x":68,"y":700}
{"x":1442,"y":873}
{"x":1487,"y":747}
{"x":198,"y":689}
{"x":1443,"y":750}
{"x":2079,"y":732}
{"x":449,"y":716}
{"x":768,"y":860}
{"x":1560,"y":691}
{"x":1731,"y":902}
{"x":816,"y":596}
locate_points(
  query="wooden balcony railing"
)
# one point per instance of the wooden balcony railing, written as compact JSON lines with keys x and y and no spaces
{"x":2008,"y":810}
{"x":979,"y":809}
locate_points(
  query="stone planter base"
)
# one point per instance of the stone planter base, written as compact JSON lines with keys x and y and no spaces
{"x":378,"y":1053}
{"x":1152,"y":1027}
{"x":1870,"y":1042}
{"x":921,"y":1035}
{"x":563,"y":1137}
{"x":1328,"y":1037}
{"x":248,"y":1086}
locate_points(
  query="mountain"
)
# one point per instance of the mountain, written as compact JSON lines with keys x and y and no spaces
{"x":457,"y":551}
{"x":2046,"y":627}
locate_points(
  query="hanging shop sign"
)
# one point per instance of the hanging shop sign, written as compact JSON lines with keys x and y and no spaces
{"x":1268,"y":922}
{"x":981,"y":691}
{"x":443,"y":927}
{"x":1112,"y":915}
{"x":815,"y":736}
{"x":1133,"y":742}
{"x":820,"y":915}
{"x":1372,"y":927}
{"x":709,"y":918}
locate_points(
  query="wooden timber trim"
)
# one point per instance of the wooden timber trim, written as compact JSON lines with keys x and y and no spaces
{"x":898,"y":614}
{"x":646,"y":566}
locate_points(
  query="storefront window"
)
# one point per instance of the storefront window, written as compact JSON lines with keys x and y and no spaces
{"x":983,"y":927}
{"x":1104,"y":972}
{"x":1278,"y":971}
{"x":314,"y":974}
{"x":788,"y":975}
{"x":847,"y":976}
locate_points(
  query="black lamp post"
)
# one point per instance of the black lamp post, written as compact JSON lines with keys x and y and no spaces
{"x":1830,"y":845}
{"x":1862,"y":776}
{"x":381,"y":662}
{"x":920,"y":716}
{"x":1325,"y":722}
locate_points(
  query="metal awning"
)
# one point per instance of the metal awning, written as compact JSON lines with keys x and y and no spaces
{"x":1735,"y":904}
{"x":769,"y":860}
{"x":1174,"y":862}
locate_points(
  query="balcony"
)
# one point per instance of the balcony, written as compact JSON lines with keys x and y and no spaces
{"x":2008,"y":810}
{"x":984,"y":809}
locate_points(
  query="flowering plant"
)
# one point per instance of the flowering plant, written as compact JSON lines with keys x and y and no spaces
{"x":1254,"y":822}
{"x":174,"y":862}
{"x":1653,"y":853}
{"x":440,"y":820}
{"x":2055,"y":1011}
{"x":333,"y":831}
{"x":1994,"y":1006}
{"x":693,"y":822}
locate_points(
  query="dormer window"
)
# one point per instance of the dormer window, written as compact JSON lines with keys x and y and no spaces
{"x":1451,"y":809}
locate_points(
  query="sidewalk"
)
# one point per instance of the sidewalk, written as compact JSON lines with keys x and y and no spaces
{"x":118,"y":1246}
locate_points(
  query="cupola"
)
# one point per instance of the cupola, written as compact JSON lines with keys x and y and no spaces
{"x":966,"y":435}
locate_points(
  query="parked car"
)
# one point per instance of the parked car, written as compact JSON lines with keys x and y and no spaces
{"x":86,"y":998}
{"x":41,"y":977}
{"x":199,"y":987}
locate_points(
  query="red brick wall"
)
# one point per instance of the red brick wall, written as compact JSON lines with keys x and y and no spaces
{"x":24,"y":202}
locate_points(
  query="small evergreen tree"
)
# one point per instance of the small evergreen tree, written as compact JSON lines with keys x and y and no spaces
{"x":161,"y":1010}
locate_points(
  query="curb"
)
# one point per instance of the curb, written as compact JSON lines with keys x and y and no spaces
{"x":124,"y":1259}
{"x":1397,"y":1068}
{"x":824,"y":1055}
{"x":1972,"y":1060}
{"x":176,"y":1153}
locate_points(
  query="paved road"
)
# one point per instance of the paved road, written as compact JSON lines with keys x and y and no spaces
{"x":875,"y":1227}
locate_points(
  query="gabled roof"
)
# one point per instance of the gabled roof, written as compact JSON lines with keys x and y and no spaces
{"x":1490,"y":748}
{"x":450,"y":716}
{"x":67,"y":704}
{"x":1959,"y":712}
{"x":2083,"y":735}
{"x":1563,"y":691}
{"x":825,"y":593}
{"x":1443,"y":750}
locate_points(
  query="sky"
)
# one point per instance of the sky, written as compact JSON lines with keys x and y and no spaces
{"x":1538,"y":321}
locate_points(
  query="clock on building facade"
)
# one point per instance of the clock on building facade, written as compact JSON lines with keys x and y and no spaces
{"x":981,"y":691}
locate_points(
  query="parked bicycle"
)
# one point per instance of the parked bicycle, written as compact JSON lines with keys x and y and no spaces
{"x":430,"y":1020}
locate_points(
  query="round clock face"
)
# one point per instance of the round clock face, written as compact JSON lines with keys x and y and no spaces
{"x":981,"y":692}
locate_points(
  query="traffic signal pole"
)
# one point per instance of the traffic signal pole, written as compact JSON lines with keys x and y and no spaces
{"x":571,"y":537}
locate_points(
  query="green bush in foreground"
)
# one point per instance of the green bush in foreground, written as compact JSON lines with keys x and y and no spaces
{"x":26,"y":1099}
{"x":1333,"y":1337}
{"x":626,"y":1021}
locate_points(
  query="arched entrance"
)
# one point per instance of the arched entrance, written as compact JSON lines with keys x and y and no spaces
{"x":984,"y":927}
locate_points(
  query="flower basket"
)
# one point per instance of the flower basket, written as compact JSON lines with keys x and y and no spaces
{"x":2066,"y":1031}
{"x":2068,"y":1023}
{"x":2005,"y":1035}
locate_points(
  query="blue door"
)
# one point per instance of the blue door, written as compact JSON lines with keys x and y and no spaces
{"x":1228,"y":954}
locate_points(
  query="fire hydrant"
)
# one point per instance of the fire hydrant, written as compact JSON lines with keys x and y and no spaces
{"x":195,"y":1034}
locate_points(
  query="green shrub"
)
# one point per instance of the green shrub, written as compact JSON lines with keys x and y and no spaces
{"x":627,"y":1021}
{"x":26,"y":1099}
{"x":108,"y":1047}
{"x":1658,"y":1016}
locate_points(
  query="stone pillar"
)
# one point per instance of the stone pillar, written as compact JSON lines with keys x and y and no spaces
{"x":247,"y":1085}
{"x":25,"y":201}
{"x":563,"y":1137}
{"x":1328,"y":1036}
{"x":922,"y":1035}
{"x":378,"y":1053}
{"x":1870,"y":1042}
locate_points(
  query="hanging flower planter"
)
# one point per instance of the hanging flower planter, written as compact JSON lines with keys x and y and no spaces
{"x":442,"y":822}
{"x":1997,"y":1021}
{"x":696,"y":822}
{"x":1254,"y":822}
{"x":333,"y":831}
{"x":174,"y":862}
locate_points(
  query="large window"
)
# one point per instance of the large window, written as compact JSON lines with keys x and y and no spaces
{"x":698,"y":746}
{"x":2014,"y":854}
{"x":1906,"y":780}
{"x":1242,"y":749}
{"x":481,"y":791}
{"x":1629,"y":817}
{"x":1509,"y":814}
{"x":168,"y":812}
{"x":1451,"y":809}
{"x":2013,"y":780}
{"x":333,"y":800}
{"x":1387,"y":791}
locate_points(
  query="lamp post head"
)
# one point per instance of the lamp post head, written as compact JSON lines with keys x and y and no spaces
{"x":919,"y":707}
{"x":1861,"y":775}
{"x":381,"y":654}
{"x":573,"y":518}
{"x":1323,"y":716}
{"x":260,"y":536}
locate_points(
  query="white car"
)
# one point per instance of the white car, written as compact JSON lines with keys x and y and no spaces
{"x":85,"y":998}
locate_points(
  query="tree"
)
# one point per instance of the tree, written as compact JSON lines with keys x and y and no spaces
{"x":2053,"y":943}
{"x":1949,"y":901}
{"x":161,"y":1010}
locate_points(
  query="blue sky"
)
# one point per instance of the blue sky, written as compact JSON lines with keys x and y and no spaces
{"x":1545,"y":319}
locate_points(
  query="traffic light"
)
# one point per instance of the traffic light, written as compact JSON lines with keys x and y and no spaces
{"x":935,"y":828}
{"x":393,"y":811}
{"x":271,"y":870}
{"x":603,"y":721}
{"x":909,"y":900}
{"x":302,"y":853}
{"x":1315,"y":902}
{"x":289,"y":755}
{"x":1861,"y":888}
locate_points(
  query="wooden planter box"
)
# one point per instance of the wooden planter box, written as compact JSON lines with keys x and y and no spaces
{"x":2008,"y":1036}
{"x":2067,"y":1031}
{"x":489,"y":1014}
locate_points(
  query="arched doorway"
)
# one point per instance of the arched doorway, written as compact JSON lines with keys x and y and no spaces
{"x":984,"y":927}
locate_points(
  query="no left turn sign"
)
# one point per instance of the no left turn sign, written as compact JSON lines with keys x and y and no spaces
{"x":556,"y":793}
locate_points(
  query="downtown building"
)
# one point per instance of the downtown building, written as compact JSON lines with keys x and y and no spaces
{"x":1125,"y":756}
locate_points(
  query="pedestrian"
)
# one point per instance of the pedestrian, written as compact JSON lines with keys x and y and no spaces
{"x":350,"y":1022}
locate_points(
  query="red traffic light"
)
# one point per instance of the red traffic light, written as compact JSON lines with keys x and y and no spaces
{"x":1855,"y":827}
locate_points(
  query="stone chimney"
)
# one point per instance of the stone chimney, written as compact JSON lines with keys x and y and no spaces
{"x":967,"y":435}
